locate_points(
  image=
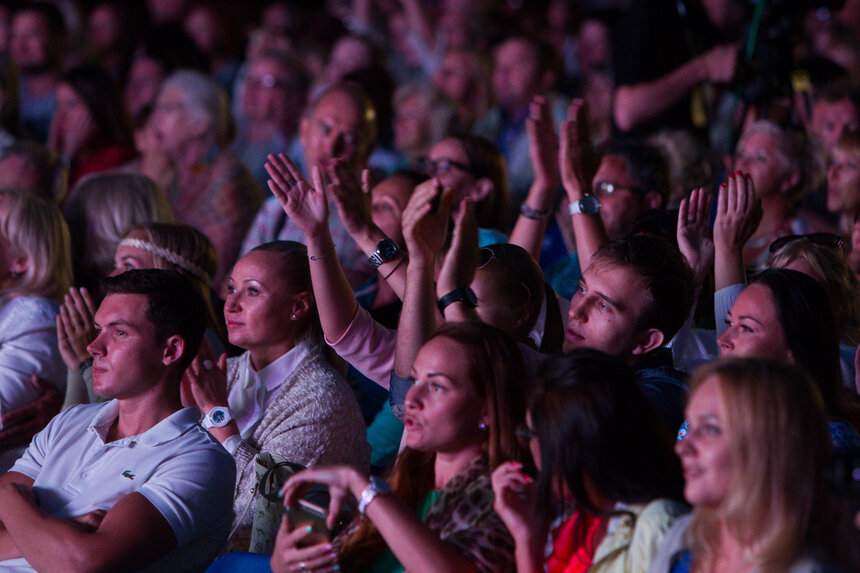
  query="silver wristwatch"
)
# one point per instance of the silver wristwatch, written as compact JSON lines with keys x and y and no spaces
{"x":375,"y":487}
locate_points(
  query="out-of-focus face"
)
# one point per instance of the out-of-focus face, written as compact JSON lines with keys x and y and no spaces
{"x":595,"y":44}
{"x":605,"y":311}
{"x":202,"y":26}
{"x":333,"y":131}
{"x":705,"y":453}
{"x":18,"y":173}
{"x":72,"y":111}
{"x":516,"y":74}
{"x":449,"y":163}
{"x":266,"y":95}
{"x":348,"y":55}
{"x":754,"y":331}
{"x":144,"y":82}
{"x":128,"y":257}
{"x":442,"y":408}
{"x":259,"y":307}
{"x":30,"y":46}
{"x":831,"y":119}
{"x":387,"y":202}
{"x":104,"y":29}
{"x":174,"y":123}
{"x":411,"y":129}
{"x":758,"y":156}
{"x":12,"y":260}
{"x":843,"y":181}
{"x":454,"y":27}
{"x":454,"y":78}
{"x":621,"y":202}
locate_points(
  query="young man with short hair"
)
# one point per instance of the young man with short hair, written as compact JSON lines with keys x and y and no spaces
{"x":135,"y":481}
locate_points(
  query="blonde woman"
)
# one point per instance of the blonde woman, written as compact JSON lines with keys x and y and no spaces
{"x":753,"y":462}
{"x":35,"y":271}
{"x":99,"y":211}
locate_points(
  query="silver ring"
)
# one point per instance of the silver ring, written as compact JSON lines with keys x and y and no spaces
{"x":292,"y":183}
{"x":207,"y":365}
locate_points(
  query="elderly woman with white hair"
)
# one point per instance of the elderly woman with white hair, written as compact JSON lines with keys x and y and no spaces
{"x":208,"y":187}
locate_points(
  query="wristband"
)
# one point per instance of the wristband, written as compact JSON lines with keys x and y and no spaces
{"x":531,"y":213}
{"x":462,"y":294}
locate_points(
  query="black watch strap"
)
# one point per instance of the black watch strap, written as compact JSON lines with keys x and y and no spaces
{"x":462,"y":294}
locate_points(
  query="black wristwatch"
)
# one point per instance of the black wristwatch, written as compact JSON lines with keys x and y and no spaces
{"x":588,"y":205}
{"x":386,"y":250}
{"x":462,"y":294}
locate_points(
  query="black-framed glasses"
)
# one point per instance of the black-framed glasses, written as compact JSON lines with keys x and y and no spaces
{"x":831,"y":240}
{"x":443,"y":166}
{"x":523,"y":432}
{"x":606,"y":188}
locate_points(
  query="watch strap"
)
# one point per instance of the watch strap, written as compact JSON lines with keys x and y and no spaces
{"x":462,"y":294}
{"x":217,"y":417}
{"x":376,"y":487}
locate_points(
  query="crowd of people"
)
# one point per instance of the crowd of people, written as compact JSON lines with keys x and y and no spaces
{"x":405,"y":285}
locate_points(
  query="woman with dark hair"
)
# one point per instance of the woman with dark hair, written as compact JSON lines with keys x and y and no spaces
{"x":90,"y":128}
{"x":608,"y":481}
{"x":438,"y":515}
{"x":281,"y":395}
{"x":785,"y":315}
{"x":474,"y":167}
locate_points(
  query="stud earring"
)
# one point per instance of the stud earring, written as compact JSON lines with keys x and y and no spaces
{"x":292,"y":317}
{"x":482,"y":425}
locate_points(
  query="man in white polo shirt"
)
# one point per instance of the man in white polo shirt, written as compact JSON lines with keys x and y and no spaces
{"x":135,"y":482}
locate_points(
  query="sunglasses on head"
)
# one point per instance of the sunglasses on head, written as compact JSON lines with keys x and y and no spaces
{"x":823,"y":239}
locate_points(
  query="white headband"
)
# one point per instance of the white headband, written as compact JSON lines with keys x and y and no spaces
{"x":169,"y":256}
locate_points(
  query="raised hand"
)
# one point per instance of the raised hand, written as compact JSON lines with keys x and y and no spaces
{"x":76,"y":327}
{"x":738,"y":212}
{"x":543,"y":144}
{"x":351,"y":197}
{"x":206,"y":381}
{"x":577,"y":161}
{"x":424,"y":225}
{"x":458,"y":270}
{"x":305,"y":205}
{"x":292,"y":552}
{"x":694,"y":233}
{"x":342,"y":481}
{"x":514,"y":498}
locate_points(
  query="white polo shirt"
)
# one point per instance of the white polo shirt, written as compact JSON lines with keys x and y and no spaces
{"x":177,"y":465}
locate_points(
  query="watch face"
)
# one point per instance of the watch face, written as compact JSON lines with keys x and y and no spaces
{"x":387,"y":249}
{"x":217,"y":416}
{"x":589,"y":205}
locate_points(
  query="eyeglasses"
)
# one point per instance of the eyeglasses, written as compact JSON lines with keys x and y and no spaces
{"x":606,"y":188}
{"x":267,"y":81}
{"x":523,"y":432}
{"x":486,"y":255}
{"x":437,"y":167}
{"x":823,"y":239}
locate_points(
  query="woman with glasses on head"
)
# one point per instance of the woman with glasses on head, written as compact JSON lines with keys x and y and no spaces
{"x":609,"y":484}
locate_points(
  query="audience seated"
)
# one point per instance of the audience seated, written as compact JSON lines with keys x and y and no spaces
{"x":134,"y":482}
{"x":208,"y":188}
{"x":36,"y":169}
{"x":754,"y":462}
{"x":437,"y":513}
{"x":339,"y":126}
{"x":90,"y":129}
{"x":35,"y":272}
{"x":281,"y":395}
{"x":609,"y":483}
{"x":99,"y":210}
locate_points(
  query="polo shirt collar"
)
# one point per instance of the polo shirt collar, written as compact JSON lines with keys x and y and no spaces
{"x":166,"y":430}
